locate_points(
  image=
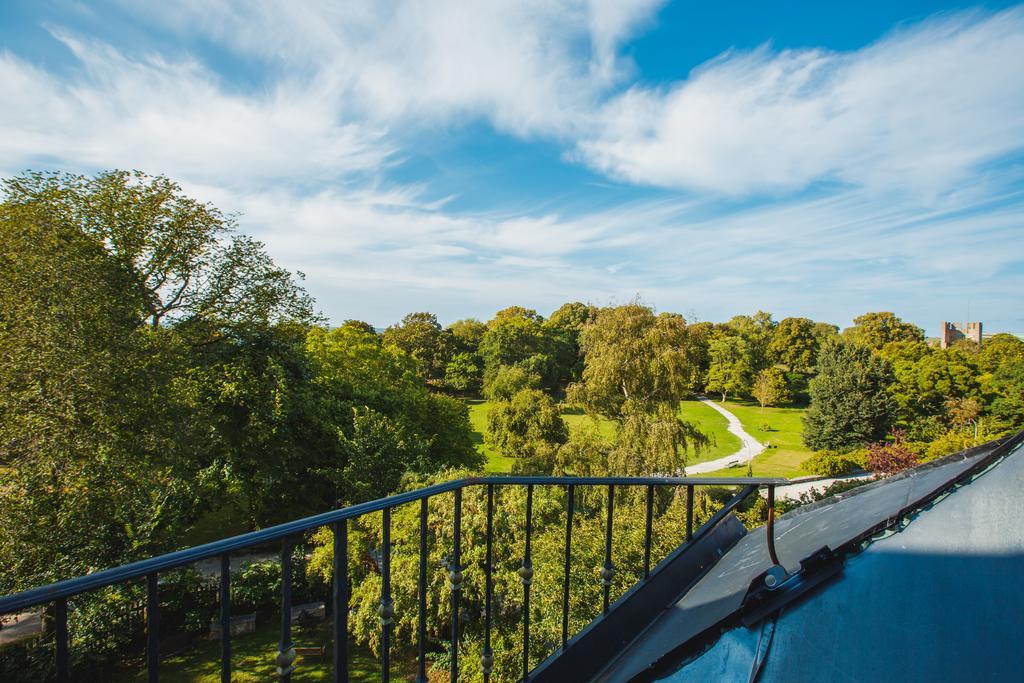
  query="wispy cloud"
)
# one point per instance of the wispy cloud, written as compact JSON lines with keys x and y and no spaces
{"x":921,"y":109}
{"x":528,"y":66}
{"x":178,"y":117}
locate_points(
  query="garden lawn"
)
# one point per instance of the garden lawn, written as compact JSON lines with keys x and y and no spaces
{"x":252,"y":659}
{"x":785,"y":436}
{"x":715,"y":426}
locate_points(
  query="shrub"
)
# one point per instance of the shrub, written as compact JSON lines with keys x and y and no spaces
{"x":890,"y":457}
{"x":828,"y":463}
{"x":256,"y":587}
{"x":187,"y":601}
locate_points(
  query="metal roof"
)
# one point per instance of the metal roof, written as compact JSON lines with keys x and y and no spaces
{"x":920,"y":604}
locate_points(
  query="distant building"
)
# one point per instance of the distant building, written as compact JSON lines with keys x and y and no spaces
{"x":951,"y":333}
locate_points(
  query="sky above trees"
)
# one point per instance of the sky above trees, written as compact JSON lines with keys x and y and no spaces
{"x":810,"y":159}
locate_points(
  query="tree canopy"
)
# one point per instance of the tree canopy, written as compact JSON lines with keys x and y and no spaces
{"x":850,"y":400}
{"x":875,"y":330}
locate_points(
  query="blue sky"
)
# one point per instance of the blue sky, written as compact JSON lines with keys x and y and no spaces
{"x":812,"y":159}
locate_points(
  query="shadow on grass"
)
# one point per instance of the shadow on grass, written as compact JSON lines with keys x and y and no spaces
{"x":253,"y":655}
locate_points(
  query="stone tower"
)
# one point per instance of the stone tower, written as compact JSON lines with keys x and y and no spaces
{"x":953,"y":332}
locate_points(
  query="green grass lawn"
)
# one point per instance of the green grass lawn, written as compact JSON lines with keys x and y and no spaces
{"x":783,"y":460}
{"x":714,"y":424}
{"x":252,"y":659}
{"x":708,"y":420}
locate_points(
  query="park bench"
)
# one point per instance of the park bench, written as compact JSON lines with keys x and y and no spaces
{"x":318,"y":651}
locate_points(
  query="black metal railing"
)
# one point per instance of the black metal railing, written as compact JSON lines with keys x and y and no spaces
{"x":58,"y":593}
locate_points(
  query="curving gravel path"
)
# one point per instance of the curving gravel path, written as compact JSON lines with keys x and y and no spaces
{"x":749,"y":447}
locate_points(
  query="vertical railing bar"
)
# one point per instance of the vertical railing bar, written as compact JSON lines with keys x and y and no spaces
{"x":689,"y":512}
{"x":487,"y":658}
{"x":63,"y":659}
{"x":152,"y":628}
{"x":570,"y":498}
{"x":526,"y":574}
{"x":225,"y":618}
{"x":340,"y":596}
{"x":608,"y":571}
{"x":455,"y":581}
{"x":421,"y":671}
{"x":770,"y":527}
{"x":647,"y":530}
{"x":286,"y":648}
{"x":387,"y":608}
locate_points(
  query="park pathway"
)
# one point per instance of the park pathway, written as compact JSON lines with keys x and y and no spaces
{"x":749,"y":446}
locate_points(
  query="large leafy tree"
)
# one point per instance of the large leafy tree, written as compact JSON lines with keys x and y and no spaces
{"x":769,"y":388}
{"x":183,"y":259}
{"x":638,"y":366}
{"x":731,"y":367}
{"x":794,"y":345}
{"x":517,"y":336}
{"x":1006,"y":388}
{"x":525,"y":425}
{"x":1001,"y":350}
{"x":875,"y":330}
{"x":122,"y":299}
{"x":353,"y":373}
{"x":850,"y":400}
{"x":923,"y":386}
{"x":421,"y":336}
{"x":757,"y":331}
{"x":634,"y":361}
{"x":563,"y":328}
{"x":467,"y":334}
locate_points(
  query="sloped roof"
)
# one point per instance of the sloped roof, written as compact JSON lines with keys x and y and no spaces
{"x":918,"y":604}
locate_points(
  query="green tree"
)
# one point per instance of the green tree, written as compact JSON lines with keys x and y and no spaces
{"x":508,"y":381}
{"x":352,"y":371}
{"x":635,"y":361}
{"x":923,"y":387}
{"x":1002,"y":349}
{"x":360,"y":325}
{"x":517,"y":336}
{"x":850,"y":400}
{"x":769,"y":388}
{"x":421,"y":336}
{"x":824,"y":332}
{"x":1006,"y":387}
{"x":757,"y":331}
{"x":467,"y":334}
{"x":117,"y":291}
{"x":525,"y":425}
{"x":794,"y":345}
{"x":563,"y":329}
{"x":875,"y":330}
{"x":464,"y":372}
{"x":183,"y":258}
{"x":637,"y":368}
{"x":731,"y":367}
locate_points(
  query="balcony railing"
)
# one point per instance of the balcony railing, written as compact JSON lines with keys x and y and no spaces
{"x":57,"y":594}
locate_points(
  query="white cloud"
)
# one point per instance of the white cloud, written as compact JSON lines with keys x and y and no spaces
{"x":528,"y":66}
{"x":921,"y":109}
{"x":177,"y":118}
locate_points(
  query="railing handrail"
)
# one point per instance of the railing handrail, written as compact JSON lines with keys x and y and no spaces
{"x":179,"y":558}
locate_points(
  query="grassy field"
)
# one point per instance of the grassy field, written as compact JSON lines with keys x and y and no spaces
{"x":709,"y":420}
{"x":252,"y":659}
{"x":714,"y":424}
{"x":787,"y":452}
